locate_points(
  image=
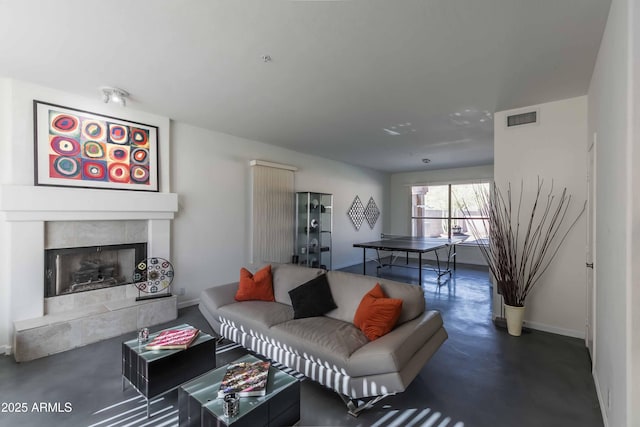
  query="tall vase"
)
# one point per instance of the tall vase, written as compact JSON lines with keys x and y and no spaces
{"x":515,"y":316}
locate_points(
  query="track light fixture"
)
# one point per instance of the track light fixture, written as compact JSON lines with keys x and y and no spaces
{"x":114,"y":94}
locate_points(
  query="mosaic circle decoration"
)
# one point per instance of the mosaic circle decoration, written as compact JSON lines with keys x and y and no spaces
{"x":118,"y":134}
{"x":93,"y":150}
{"x":119,"y":172}
{"x":66,"y":166}
{"x":139,"y":174}
{"x":93,"y":129}
{"x":64,"y":123}
{"x":65,"y":146}
{"x":139,"y":155}
{"x":139,"y":136}
{"x":94,"y":170}
{"x":153,"y":275}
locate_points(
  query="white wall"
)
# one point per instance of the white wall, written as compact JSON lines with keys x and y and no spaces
{"x":614,"y":105}
{"x":211,"y":238}
{"x":400,"y":200}
{"x":554,"y":149}
{"x":5,"y":138}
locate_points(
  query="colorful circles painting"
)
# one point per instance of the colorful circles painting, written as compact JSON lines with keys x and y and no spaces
{"x":67,"y":167}
{"x":139,"y":174}
{"x":139,"y":156}
{"x":118,"y":134}
{"x":93,"y":130}
{"x":94,"y":170}
{"x":139,"y":137}
{"x":93,"y":150}
{"x":65,"y":124}
{"x":118,"y":153}
{"x":65,"y":146}
{"x":119,"y":172}
{"x":82,"y":149}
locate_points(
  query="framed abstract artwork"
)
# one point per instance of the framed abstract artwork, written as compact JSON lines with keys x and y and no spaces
{"x":75,"y":148}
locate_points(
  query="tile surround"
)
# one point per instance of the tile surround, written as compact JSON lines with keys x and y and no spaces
{"x":54,"y":333}
{"x":68,"y":234}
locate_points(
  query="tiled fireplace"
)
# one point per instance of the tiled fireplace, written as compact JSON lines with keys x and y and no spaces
{"x":45,"y":221}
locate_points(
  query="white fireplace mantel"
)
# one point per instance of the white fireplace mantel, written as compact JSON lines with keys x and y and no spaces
{"x":31,"y":203}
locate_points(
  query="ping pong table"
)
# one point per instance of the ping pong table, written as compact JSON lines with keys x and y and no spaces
{"x":409,"y":244}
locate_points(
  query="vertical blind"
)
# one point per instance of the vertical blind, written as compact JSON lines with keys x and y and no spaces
{"x":272,"y":212}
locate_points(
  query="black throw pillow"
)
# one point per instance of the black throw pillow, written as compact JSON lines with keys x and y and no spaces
{"x":312,"y":298}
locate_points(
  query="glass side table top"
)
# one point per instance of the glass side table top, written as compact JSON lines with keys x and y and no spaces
{"x":205,"y":388}
{"x":149,"y":355}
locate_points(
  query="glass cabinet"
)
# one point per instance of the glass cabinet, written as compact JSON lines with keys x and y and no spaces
{"x":314,"y":224}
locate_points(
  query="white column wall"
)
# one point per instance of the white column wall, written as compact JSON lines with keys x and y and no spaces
{"x":553,"y":149}
{"x":614,"y":116}
{"x":5,"y":173}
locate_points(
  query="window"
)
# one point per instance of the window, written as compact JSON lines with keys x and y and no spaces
{"x":450,"y":210}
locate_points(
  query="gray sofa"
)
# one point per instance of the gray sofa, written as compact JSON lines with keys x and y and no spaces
{"x":329,"y":349}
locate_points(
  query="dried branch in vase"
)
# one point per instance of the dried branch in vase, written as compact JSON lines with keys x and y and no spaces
{"x":518,"y":254}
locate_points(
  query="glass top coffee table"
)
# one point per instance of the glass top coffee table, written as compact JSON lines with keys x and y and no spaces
{"x":199,"y":404}
{"x":156,"y":372}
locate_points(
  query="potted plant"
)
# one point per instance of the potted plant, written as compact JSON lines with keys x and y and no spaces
{"x":522,"y":242}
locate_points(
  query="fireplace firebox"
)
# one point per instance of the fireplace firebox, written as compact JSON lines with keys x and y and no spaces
{"x":70,"y":270}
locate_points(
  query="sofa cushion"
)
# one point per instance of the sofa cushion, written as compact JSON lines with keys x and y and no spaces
{"x":256,"y":316}
{"x":289,"y":276}
{"x":348,"y":289}
{"x":257,"y":286}
{"x":323,"y":339}
{"x":312,"y":298}
{"x":377,"y":315}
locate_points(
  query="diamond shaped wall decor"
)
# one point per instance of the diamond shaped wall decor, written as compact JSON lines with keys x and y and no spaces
{"x":371,"y":212}
{"x":356,"y":213}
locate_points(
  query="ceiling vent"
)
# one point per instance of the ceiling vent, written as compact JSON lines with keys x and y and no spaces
{"x":530,"y":117}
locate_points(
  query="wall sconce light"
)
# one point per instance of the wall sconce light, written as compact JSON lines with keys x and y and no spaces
{"x":114,"y":94}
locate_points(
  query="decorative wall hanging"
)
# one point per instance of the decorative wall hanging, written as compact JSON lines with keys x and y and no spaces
{"x":371,"y":212}
{"x":356,"y":213}
{"x":75,"y":148}
{"x":153,"y":276}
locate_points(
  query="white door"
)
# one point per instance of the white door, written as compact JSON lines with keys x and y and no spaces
{"x":590,"y":336}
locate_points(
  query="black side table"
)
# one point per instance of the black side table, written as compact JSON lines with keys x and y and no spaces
{"x":155,"y":372}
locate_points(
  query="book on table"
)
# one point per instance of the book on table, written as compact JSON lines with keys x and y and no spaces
{"x":173,"y":339}
{"x":245,"y":379}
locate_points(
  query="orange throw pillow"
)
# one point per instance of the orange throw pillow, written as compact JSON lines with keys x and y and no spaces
{"x":377,"y":315}
{"x":255,"y":287}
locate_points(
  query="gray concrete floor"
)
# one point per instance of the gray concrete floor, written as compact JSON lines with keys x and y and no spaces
{"x":480,"y":377}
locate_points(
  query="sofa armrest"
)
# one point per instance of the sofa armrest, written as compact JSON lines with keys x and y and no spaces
{"x":219,"y":295}
{"x":392,"y":351}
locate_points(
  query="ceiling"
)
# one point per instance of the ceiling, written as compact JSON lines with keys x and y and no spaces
{"x":375,"y":83}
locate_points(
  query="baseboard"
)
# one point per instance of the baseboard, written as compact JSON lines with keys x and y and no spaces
{"x":188,"y":303}
{"x":605,"y":420}
{"x":554,"y":329}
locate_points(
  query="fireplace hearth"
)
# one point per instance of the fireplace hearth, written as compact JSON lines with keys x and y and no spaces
{"x":79,"y":269}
